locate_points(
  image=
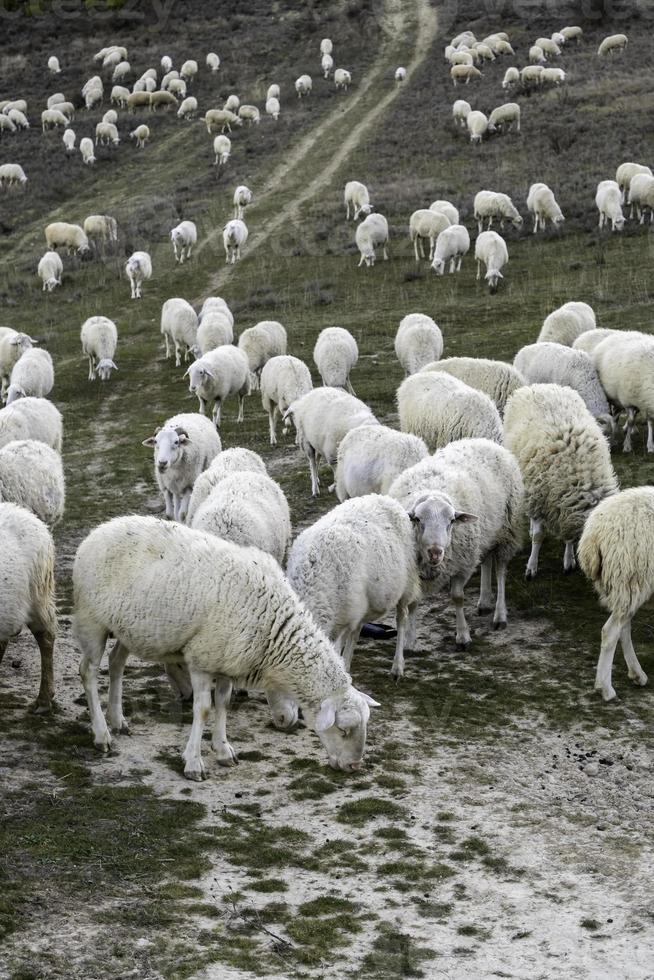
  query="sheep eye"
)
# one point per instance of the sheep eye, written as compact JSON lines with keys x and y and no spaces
{"x":344,"y":731}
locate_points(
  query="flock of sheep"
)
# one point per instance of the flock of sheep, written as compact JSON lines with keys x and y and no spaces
{"x":481,"y":446}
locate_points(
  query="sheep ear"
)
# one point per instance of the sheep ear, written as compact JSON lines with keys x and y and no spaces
{"x":151,"y":441}
{"x":112,"y":365}
{"x":465,"y":518}
{"x":185,"y":375}
{"x":326,"y":717}
{"x":369,"y":701}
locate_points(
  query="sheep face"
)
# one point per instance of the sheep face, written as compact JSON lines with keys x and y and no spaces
{"x":168,"y":447}
{"x":50,"y":284}
{"x":434,"y":518}
{"x":493,"y":279}
{"x":341,"y":725}
{"x":14,"y":392}
{"x":439,"y":266}
{"x":198,"y":376}
{"x":104,"y":368}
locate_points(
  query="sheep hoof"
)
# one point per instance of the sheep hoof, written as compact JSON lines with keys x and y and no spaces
{"x":529,"y":574}
{"x":195,"y":775}
{"x":228,"y":760}
{"x":463,"y":644}
{"x":43,"y":706}
{"x":103,"y":746}
{"x":500,"y":624}
{"x":569,"y":570}
{"x":396,"y":674}
{"x":484,"y":610}
{"x":640,"y":680}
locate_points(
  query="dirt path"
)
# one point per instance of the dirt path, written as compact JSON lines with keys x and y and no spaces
{"x":290,"y":173}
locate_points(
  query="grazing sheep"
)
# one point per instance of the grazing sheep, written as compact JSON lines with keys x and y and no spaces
{"x":237,"y":460}
{"x":20,"y":120}
{"x":624,"y":175}
{"x":232,"y":104}
{"x":121,"y":71}
{"x":572,"y":34}
{"x":611,"y":44}
{"x":565,"y":463}
{"x":531,"y":75}
{"x":589,"y":339}
{"x":12,"y":347}
{"x":216,"y":304}
{"x":461,"y":58}
{"x":59,"y":234}
{"x":50,"y":269}
{"x":53,"y":65}
{"x":624,"y":362}
{"x":139,"y":100}
{"x":167,"y":79}
{"x":370,"y":457}
{"x":548,"y":363}
{"x":417,"y":342}
{"x":490,"y":248}
{"x":52,"y":118}
{"x":101,"y":226}
{"x":222,"y":147}
{"x":641,"y":196}
{"x":426,"y":223}
{"x":259,"y":343}
{"x":536,"y":55}
{"x":484,"y":52}
{"x":505,"y":116}
{"x":283,"y":380}
{"x":31,"y":418}
{"x":27,"y":591}
{"x":342,"y":79}
{"x":477,"y":124}
{"x":32,"y":374}
{"x":446,"y":208}
{"x":106,"y":133}
{"x":242,"y":197}
{"x":183,"y":236}
{"x":273,"y":107}
{"x":464,"y":73}
{"x":372,"y":233}
{"x":327,"y":64}
{"x":179,"y":326}
{"x":553,"y":76}
{"x":93,"y":95}
{"x":400,"y":74}
{"x":437,"y":407}
{"x":32,"y":476}
{"x":216,"y":376}
{"x":609,"y":204}
{"x":549,"y":47}
{"x":565,"y":324}
{"x":235,"y":235}
{"x":496,"y":379}
{"x":99,"y":338}
{"x":460,"y":112}
{"x":120,"y":96}
{"x":250,"y":114}
{"x":356,"y":194}
{"x":167,"y":100}
{"x":303,"y":85}
{"x":6,"y":124}
{"x":326,"y":46}
{"x":189,"y":70}
{"x":212,"y":61}
{"x":542,"y":204}
{"x":273,"y":92}
{"x":188,"y":109}
{"x":183,"y":448}
{"x":491,"y":204}
{"x":110,"y":116}
{"x":214,"y":330}
{"x":511,"y":78}
{"x":451,"y":245}
{"x":335,"y":354}
{"x":12,"y":174}
{"x":138,"y":269}
{"x":166,"y":63}
{"x":141,"y":134}
{"x":245,"y":625}
{"x":87,"y":150}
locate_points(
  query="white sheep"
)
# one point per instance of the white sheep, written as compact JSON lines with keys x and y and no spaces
{"x":242,"y":197}
{"x":60,"y":234}
{"x":216,"y":304}
{"x":611,"y":44}
{"x":141,"y":134}
{"x":113,"y":57}
{"x":273,"y":107}
{"x":166,"y":63}
{"x":50,"y":269}
{"x":110,"y":116}
{"x":167,"y":79}
{"x":426,"y":223}
{"x":400,"y":74}
{"x":554,"y":76}
{"x":466,"y":503}
{"x":176,"y":88}
{"x":283,"y":380}
{"x":303,"y":85}
{"x":102,"y":227}
{"x":326,"y":46}
{"x":183,"y":448}
{"x":27,"y":590}
{"x":615,"y":553}
{"x":342,"y":79}
{"x":232,"y":104}
{"x":179,"y":326}
{"x":609,"y":204}
{"x":477,"y":124}
{"x":370,"y":457}
{"x":484,"y":52}
{"x":138,"y":270}
{"x":624,"y":362}
{"x":32,"y":476}
{"x":245,"y":625}
{"x":189,"y":70}
{"x":511,"y":78}
{"x":490,"y":248}
{"x":214,"y":330}
{"x":461,"y":58}
{"x":212,"y":61}
{"x":565,"y":324}
{"x":259,"y":343}
{"x":322,"y":417}
{"x":139,"y":100}
{"x":236,"y":460}
{"x":464,"y":73}
{"x":505,"y":116}
{"x":52,"y":118}
{"x":624,"y":175}
{"x":446,"y":208}
{"x":335,"y":354}
{"x":32,"y":374}
{"x":87,"y":150}
{"x":273,"y":92}
{"x":531,"y":75}
{"x":119,"y":96}
{"x":216,"y":376}
{"x":188,"y":108}
{"x":222,"y":147}
{"x":542,"y":204}
{"x":417,"y":342}
{"x":356,"y":194}
{"x":250,"y":114}
{"x":183,"y":236}
{"x":235,"y":235}
{"x":548,"y":363}
{"x":549,"y":47}
{"x":13,"y":345}
{"x":372,"y":233}
{"x":93,"y":96}
{"x":572,"y":34}
{"x":121,"y":71}
{"x":327,"y":65}
{"x":6,"y":124}
{"x":21,"y":104}
{"x":31,"y":418}
{"x":589,"y":339}
{"x":536,"y":55}
{"x":490,"y":205}
{"x":460,"y":112}
{"x":496,"y":379}
{"x":451,"y":245}
{"x":53,"y":65}
{"x":99,"y":337}
{"x":20,"y":120}
{"x":565,"y":463}
{"x":439,"y":408}
{"x":641,"y":196}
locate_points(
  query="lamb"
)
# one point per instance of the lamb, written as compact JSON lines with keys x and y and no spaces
{"x":417,"y":342}
{"x":179,"y":326}
{"x":624,"y":175}
{"x":189,"y":70}
{"x":565,"y":463}
{"x":99,"y":338}
{"x":242,"y":197}
{"x":32,"y":374}
{"x":51,"y":118}
{"x":342,"y":79}
{"x":235,"y":235}
{"x":101,"y":226}
{"x":542,"y":204}
{"x":249,"y":512}
{"x":565,"y":324}
{"x":326,"y":46}
{"x":212,"y":61}
{"x":549,"y":47}
{"x":496,"y":379}
{"x":335,"y":354}
{"x":322,"y":418}
{"x":273,"y":108}
{"x":451,"y":245}
{"x":6,"y":124}
{"x":53,"y":65}
{"x":531,"y":75}
{"x":245,"y":626}
{"x":511,"y":78}
{"x":303,"y":85}
{"x":437,"y":407}
{"x":141,"y":134}
{"x":259,"y":343}
{"x":370,"y":457}
{"x":217,"y":375}
{"x":491,"y":204}
{"x":609,"y":200}
{"x":446,"y":208}
{"x":548,"y":363}
{"x":31,"y":418}
{"x":477,"y":124}
{"x":237,"y":460}
{"x":400,"y":74}
{"x":222,"y":147}
{"x":27,"y":561}
{"x":467,"y":506}
{"x":32,"y":476}
{"x":166,"y":100}
{"x":120,"y":96}
{"x":183,"y":448}
{"x":356,"y":194}
{"x":250,"y":114}
{"x":426,"y":223}
{"x":283,"y":380}
{"x":327,"y":64}
{"x":372,"y":233}
{"x":611,"y":44}
{"x":464,"y":73}
{"x":615,"y":553}
{"x":536,"y":55}
{"x":490,"y":248}
{"x":12,"y":347}
{"x":506,"y":115}
{"x":50,"y":269}
{"x":183,"y":236}
{"x":60,"y":234}
{"x":641,"y":196}
{"x":87,"y":150}
{"x":188,"y":108}
{"x":460,"y":112}
{"x":20,"y":120}
{"x":358,"y":562}
{"x":572,"y":33}
{"x":554,"y":76}
{"x":138,"y":270}
{"x":624,"y":363}
{"x":214,"y":330}
{"x":221,"y":119}
{"x":484,"y":52}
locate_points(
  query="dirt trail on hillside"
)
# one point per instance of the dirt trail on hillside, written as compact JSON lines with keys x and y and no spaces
{"x":283,"y":178}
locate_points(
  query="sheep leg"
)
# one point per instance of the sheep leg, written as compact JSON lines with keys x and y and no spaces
{"x":569,"y":560}
{"x":349,"y":638}
{"x":175,"y":251}
{"x":348,"y":386}
{"x":313,"y":467}
{"x":272,"y":420}
{"x":478,"y":269}
{"x":117,"y":660}
{"x":192,"y":754}
{"x":385,"y":253}
{"x":241,"y":405}
{"x":535,"y":223}
{"x":629,"y":429}
{"x":485,"y":604}
{"x":401,"y":618}
{"x":219,"y":743}
{"x":217,"y":410}
{"x":45,"y":697}
{"x":537,"y":533}
{"x":611,"y":632}
{"x":93,"y":647}
{"x":178,"y":678}
{"x":178,"y":354}
{"x":500,"y":615}
{"x":636,"y":672}
{"x":91,"y":371}
{"x":463,"y":639}
{"x":415,"y":248}
{"x":650,"y":436}
{"x":168,"y":501}
{"x":182,"y":508}
{"x":410,"y":637}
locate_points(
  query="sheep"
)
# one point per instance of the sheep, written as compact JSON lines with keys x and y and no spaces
{"x":21,"y":104}
{"x":451,"y":245}
{"x":400,"y":74}
{"x":503,"y":47}
{"x":141,"y":134}
{"x":113,"y":58}
{"x":326,"y":46}
{"x":101,"y":226}
{"x":549,"y":47}
{"x":120,"y":96}
{"x":20,"y":120}
{"x":6,"y":124}
{"x":60,"y":234}
{"x":589,"y":339}
{"x":188,"y":108}
{"x":461,"y":58}
{"x":167,"y":79}
{"x":536,"y":55}
{"x":216,"y":304}
{"x":222,"y":147}
{"x":93,"y":97}
{"x":246,"y":626}
{"x":51,"y":118}
{"x":139,"y":100}
{"x":460,"y":112}
{"x":496,"y":379}
{"x":491,"y":204}
{"x":232,"y":104}
{"x":12,"y":174}
{"x":335,"y":354}
{"x":273,"y":92}
{"x":183,"y":236}
{"x":417,"y":342}
{"x":327,"y":64}
{"x":165,"y":100}
{"x":242,"y":197}
{"x":138,"y":269}
{"x":110,"y":116}
{"x":121,"y":71}
{"x":358,"y":562}
{"x":166,"y":63}
{"x":237,"y":460}
{"x":531,"y":75}
{"x":506,"y":115}
{"x":217,"y":375}
{"x":284,"y":379}
{"x":464,"y":73}
{"x":50,"y":269}
{"x":565,"y":324}
{"x":342,"y":79}
{"x":511,"y":78}
{"x":624,"y":175}
{"x":87,"y":150}
{"x":235,"y":235}
{"x":439,"y":408}
{"x":477,"y":124}
{"x":212,"y":61}
{"x":465,"y":38}
{"x":99,"y":338}
{"x":611,"y":44}
{"x":273,"y":108}
{"x":303,"y":85}
{"x":12,"y":347}
{"x":609,"y":204}
{"x":32,"y":374}
{"x":250,"y":114}
{"x":624,"y":362}
{"x":446,"y":208}
{"x":102,"y":54}
{"x":490,"y":248}
{"x":106,"y":133}
{"x":548,"y":363}
{"x":370,"y":457}
{"x":565,"y":463}
{"x":322,"y":417}
{"x":53,"y":65}
{"x":559,"y":38}
{"x":179,"y":326}
{"x":641,"y":196}
{"x":27,"y":574}
{"x":615,"y":553}
{"x":221,"y":119}
{"x":259,"y":343}
{"x":371,"y":234}
{"x":214,"y":330}
{"x":189,"y":70}
{"x":356,"y":194}
{"x":466,"y":503}
{"x":31,"y":418}
{"x":426,"y":223}
{"x":32,"y":476}
{"x":572,"y":34}
{"x":542,"y":204}
{"x":484,"y":52}
{"x":183,"y":448}
{"x":555,"y":76}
